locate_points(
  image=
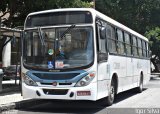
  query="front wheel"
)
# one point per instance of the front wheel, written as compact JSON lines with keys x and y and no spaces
{"x":111,"y":95}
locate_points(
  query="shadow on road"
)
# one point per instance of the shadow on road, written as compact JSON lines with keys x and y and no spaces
{"x":61,"y":106}
{"x":127,"y":94}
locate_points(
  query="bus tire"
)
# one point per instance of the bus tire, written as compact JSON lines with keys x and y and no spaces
{"x":111,"y":94}
{"x":140,"y":88}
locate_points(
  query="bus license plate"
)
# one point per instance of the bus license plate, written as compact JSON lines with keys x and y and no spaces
{"x":83,"y":93}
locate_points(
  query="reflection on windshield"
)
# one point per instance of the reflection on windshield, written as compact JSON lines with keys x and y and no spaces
{"x":75,"y":49}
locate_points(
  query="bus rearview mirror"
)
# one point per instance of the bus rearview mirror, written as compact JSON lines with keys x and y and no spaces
{"x":102,"y":32}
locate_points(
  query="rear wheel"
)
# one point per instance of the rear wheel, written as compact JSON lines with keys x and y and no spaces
{"x":140,"y":88}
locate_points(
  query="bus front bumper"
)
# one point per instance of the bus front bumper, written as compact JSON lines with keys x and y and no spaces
{"x":72,"y":93}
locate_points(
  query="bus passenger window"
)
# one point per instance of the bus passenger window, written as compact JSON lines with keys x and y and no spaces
{"x":140,"y":47}
{"x":144,"y":49}
{"x":121,"y":49}
{"x":102,"y":37}
{"x":103,"y":47}
{"x":128,"y":43}
{"x":111,"y":39}
{"x":134,"y":46}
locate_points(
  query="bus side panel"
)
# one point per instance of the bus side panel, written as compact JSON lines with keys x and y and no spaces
{"x":136,"y":72}
{"x":119,"y":66}
{"x":103,"y":80}
{"x":115,"y":65}
{"x":140,"y":66}
{"x":129,"y":74}
{"x":147,"y":71}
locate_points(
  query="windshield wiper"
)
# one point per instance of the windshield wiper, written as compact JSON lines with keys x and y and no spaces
{"x":41,"y":36}
{"x":66,"y":31}
{"x":42,"y":40}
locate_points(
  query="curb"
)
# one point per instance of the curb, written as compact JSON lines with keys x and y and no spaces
{"x":6,"y":107}
{"x":9,"y":90}
{"x":19,"y":104}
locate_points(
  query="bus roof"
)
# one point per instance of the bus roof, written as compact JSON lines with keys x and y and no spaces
{"x":95,"y":14}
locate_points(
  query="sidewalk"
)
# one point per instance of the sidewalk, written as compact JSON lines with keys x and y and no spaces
{"x":10,"y":95}
{"x":153,"y":75}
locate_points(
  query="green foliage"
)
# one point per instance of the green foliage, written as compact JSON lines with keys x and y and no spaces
{"x":19,"y":9}
{"x":136,"y":14}
{"x":154,"y":38}
{"x":153,"y":33}
{"x":140,"y":15}
{"x":68,"y":4}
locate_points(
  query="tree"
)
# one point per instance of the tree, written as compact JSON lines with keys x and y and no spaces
{"x":154,"y":37}
{"x":11,"y":7}
{"x":139,"y":15}
{"x":3,"y":9}
{"x":19,"y":9}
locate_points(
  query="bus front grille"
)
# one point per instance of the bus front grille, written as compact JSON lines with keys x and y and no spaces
{"x":55,"y":91}
{"x":57,"y":76}
{"x":58,"y":83}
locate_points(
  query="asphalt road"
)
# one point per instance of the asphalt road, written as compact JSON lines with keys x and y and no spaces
{"x":128,"y":102}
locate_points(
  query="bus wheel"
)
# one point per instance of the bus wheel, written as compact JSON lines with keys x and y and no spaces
{"x":140,"y":88}
{"x":111,"y":95}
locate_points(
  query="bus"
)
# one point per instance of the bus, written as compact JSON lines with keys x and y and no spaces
{"x":81,"y":54}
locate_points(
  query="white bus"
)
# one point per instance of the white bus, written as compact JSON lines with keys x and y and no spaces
{"x":81,"y":54}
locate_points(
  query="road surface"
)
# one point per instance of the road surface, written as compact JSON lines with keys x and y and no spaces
{"x":129,"y":102}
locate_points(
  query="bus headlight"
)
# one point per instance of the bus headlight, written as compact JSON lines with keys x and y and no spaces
{"x":27,"y":80}
{"x":86,"y":80}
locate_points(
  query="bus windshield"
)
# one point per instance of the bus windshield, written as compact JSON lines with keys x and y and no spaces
{"x":58,"y":48}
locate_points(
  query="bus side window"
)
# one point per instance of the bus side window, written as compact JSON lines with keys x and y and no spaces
{"x":144,"y":48}
{"x":111,"y":39}
{"x":134,"y":46}
{"x":128,"y":43}
{"x":147,"y":50}
{"x":102,"y":38}
{"x":140,"y":47}
{"x":121,"y":46}
{"x":101,"y":41}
